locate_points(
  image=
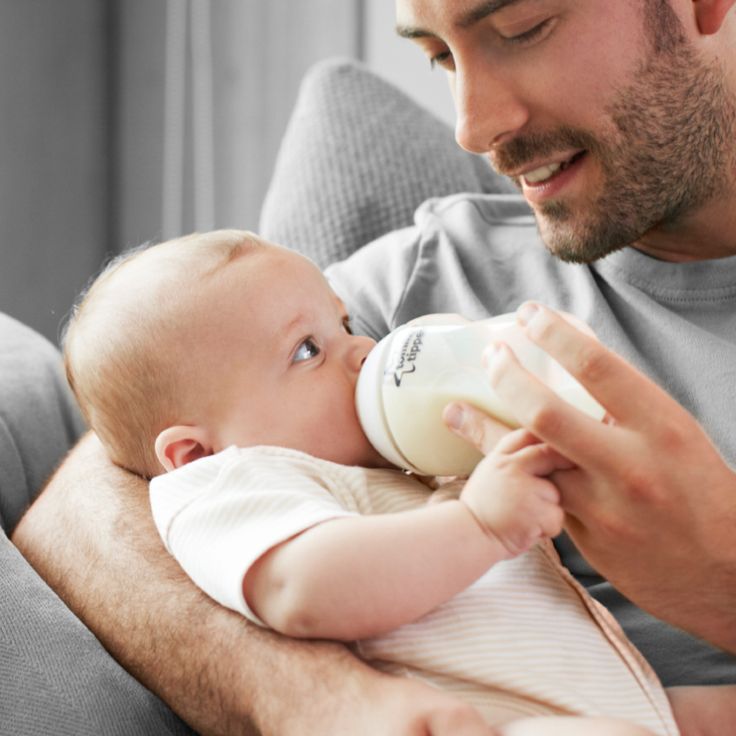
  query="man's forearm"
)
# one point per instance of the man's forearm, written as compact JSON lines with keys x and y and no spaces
{"x":92,"y":537}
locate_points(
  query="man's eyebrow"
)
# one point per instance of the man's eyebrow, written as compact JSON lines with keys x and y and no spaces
{"x":473,"y":16}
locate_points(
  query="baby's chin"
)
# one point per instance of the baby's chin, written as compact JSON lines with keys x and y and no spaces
{"x":353,"y":449}
{"x":360,"y":454}
{"x":373,"y":459}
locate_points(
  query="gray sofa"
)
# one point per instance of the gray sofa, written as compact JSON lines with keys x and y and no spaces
{"x":356,"y":160}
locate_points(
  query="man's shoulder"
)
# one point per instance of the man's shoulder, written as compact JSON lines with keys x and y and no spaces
{"x":458,"y":218}
{"x":429,"y":267}
{"x":479,"y":226}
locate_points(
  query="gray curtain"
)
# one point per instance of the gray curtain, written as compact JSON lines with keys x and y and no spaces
{"x":123,"y":121}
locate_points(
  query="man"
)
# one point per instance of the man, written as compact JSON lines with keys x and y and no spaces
{"x":617,"y":120}
{"x":651,"y":164}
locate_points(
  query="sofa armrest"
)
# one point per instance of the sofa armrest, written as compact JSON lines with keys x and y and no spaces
{"x":39,"y":420}
{"x":55,"y":676}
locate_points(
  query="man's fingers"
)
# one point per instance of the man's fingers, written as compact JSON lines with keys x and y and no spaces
{"x":627,"y":394}
{"x":576,"y":497}
{"x":540,"y":410}
{"x":459,"y":722}
{"x":474,"y":426}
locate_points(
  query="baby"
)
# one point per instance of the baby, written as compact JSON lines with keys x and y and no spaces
{"x":224,"y":368}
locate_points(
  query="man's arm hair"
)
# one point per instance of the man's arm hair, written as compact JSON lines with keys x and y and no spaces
{"x":92,"y":537}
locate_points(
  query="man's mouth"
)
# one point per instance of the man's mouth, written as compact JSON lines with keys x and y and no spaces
{"x":544,"y":174}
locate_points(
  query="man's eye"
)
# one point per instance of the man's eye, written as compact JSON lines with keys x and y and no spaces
{"x":531,"y":35}
{"x":307,"y":350}
{"x":443,"y":60}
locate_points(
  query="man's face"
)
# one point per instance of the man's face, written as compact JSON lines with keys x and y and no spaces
{"x":602,"y":112}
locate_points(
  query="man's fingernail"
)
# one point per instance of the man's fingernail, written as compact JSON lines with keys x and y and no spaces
{"x":453,"y":416}
{"x":526,"y":312}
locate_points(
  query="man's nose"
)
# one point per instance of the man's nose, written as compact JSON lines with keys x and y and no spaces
{"x":488,"y":106}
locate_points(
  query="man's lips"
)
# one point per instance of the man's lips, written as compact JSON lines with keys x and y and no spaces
{"x":540,"y":173}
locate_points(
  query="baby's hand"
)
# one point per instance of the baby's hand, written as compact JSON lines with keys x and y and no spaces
{"x":510,"y":495}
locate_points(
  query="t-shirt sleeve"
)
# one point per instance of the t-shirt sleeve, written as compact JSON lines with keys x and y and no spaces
{"x":217,"y":516}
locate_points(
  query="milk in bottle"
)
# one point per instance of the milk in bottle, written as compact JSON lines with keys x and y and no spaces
{"x":416,"y":370}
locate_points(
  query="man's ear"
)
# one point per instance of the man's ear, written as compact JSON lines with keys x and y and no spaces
{"x":710,"y":14}
{"x":179,"y":445}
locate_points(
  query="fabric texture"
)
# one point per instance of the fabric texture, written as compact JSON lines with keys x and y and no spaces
{"x":357,"y":158}
{"x":525,"y":639}
{"x":55,"y":677}
{"x":39,"y":420}
{"x":481,"y":255}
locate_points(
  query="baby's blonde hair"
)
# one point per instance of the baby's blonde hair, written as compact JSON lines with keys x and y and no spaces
{"x":129,"y":382}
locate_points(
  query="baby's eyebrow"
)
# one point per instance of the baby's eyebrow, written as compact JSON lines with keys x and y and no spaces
{"x":292,"y":324}
{"x":285,"y":334}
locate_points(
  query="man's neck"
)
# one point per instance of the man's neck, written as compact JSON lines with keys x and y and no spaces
{"x":709,"y":233}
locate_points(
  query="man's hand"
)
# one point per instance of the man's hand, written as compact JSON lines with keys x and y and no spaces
{"x":510,"y":496}
{"x":651,"y":503}
{"x":387,"y":705}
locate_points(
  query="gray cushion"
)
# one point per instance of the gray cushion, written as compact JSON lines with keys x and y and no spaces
{"x":38,"y":418}
{"x":55,"y":677}
{"x":357,"y":159}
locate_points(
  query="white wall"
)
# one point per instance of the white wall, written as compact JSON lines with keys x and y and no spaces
{"x":402,"y":62}
{"x":54,"y":204}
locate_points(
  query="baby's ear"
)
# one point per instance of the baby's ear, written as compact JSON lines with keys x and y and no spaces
{"x":177,"y":446}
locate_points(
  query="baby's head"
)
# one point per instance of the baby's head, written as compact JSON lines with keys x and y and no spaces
{"x":181,"y":349}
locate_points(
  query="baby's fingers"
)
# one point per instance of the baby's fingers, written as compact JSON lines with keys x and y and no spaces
{"x":552,"y":520}
{"x":544,"y":521}
{"x":540,"y":460}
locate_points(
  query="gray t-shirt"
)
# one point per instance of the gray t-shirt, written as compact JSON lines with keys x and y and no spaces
{"x":480,"y":255}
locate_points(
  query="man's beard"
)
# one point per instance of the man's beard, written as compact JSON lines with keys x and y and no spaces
{"x":674,"y":129}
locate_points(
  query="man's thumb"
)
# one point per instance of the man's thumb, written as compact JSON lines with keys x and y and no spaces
{"x":473,"y":425}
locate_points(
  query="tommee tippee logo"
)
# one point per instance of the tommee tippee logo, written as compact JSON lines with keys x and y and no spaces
{"x":405,"y":363}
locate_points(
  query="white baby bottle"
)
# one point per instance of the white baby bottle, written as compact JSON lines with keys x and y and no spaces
{"x":415,"y":371}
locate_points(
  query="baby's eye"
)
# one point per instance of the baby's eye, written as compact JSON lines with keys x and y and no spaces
{"x":346,"y":325}
{"x":307,"y":350}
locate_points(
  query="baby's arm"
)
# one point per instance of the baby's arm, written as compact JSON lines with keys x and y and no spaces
{"x":356,"y":577}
